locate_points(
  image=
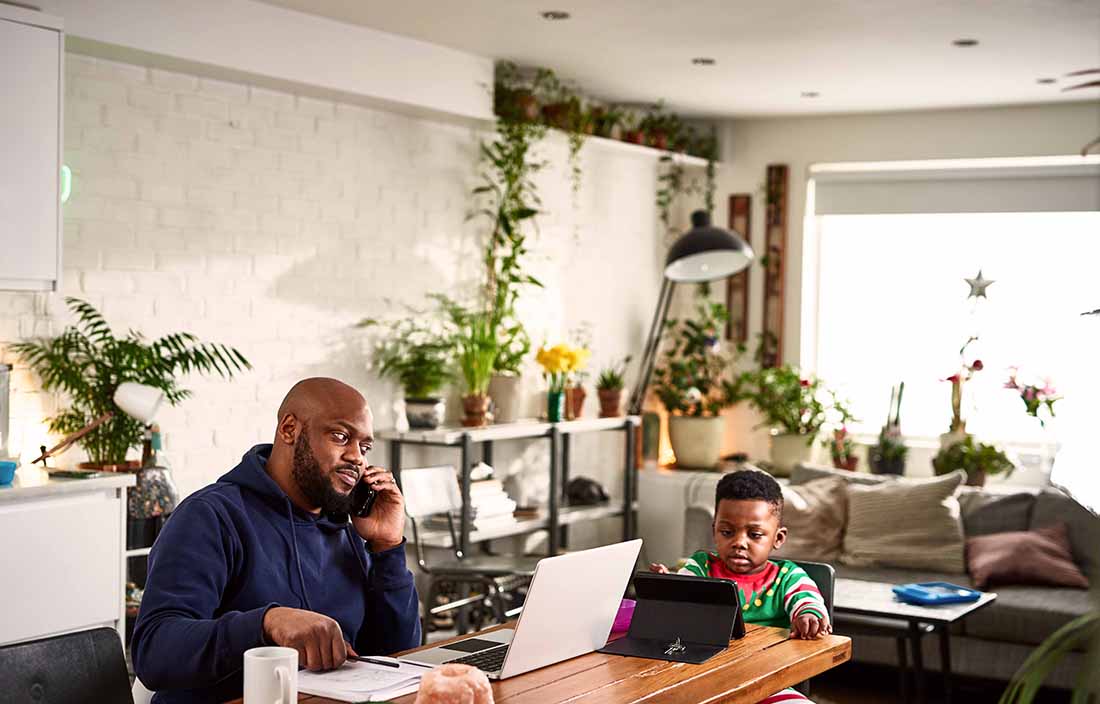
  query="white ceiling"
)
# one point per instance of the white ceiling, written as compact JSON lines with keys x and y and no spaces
{"x":860,"y":55}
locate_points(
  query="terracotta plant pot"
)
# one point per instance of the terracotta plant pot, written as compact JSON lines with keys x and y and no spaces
{"x":789,"y":449}
{"x":475,"y":408}
{"x":696,"y":441}
{"x":558,"y":115}
{"x":127,"y":466}
{"x":527,"y":106}
{"x":975,"y":478}
{"x":574,"y":405}
{"x":610,"y":402}
{"x":634,"y":136}
{"x":504,"y":390}
{"x":658,"y":140}
{"x":849,"y":463}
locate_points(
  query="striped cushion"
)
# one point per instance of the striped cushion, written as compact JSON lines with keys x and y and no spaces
{"x":906,"y":523}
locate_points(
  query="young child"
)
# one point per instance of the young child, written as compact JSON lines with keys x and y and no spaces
{"x":748,"y":525}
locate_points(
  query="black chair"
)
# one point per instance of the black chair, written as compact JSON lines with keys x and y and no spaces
{"x":824,"y":576}
{"x":87,"y":667}
{"x":433,"y":491}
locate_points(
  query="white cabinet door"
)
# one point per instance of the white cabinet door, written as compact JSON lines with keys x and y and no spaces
{"x":30,"y":143}
{"x":61,"y":560}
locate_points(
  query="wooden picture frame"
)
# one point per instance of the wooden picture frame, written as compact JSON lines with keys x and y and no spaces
{"x":737,"y":286}
{"x":775,"y":265}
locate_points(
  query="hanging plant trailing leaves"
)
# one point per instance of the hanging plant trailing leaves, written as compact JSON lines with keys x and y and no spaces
{"x":508,"y":168}
{"x":88,"y":362}
{"x":670,"y":185}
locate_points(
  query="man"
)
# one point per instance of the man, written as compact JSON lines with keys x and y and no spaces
{"x":267,"y":556}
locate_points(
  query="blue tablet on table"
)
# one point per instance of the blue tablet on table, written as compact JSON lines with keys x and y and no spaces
{"x":935,"y":593}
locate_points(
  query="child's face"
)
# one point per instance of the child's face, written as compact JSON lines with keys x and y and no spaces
{"x":745,"y":533}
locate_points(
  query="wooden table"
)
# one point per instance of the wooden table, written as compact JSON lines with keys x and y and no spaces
{"x":762,"y":663}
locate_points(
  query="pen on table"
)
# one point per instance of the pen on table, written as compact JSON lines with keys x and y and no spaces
{"x":373,"y":661}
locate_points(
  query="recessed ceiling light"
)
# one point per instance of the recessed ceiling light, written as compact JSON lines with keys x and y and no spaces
{"x":810,"y":94}
{"x":554,"y":15}
{"x":703,"y":61}
{"x":1045,"y":81}
{"x":965,"y":42}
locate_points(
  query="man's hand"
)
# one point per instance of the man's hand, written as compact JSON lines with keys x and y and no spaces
{"x":658,"y":568}
{"x":384,"y":528}
{"x":317,"y":638}
{"x":810,"y":627}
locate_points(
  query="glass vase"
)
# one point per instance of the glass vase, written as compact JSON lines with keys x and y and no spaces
{"x":555,"y":406}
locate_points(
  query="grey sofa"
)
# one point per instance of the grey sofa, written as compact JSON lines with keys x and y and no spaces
{"x":993,"y":642}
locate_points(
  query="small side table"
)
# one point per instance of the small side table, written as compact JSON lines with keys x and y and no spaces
{"x":871,"y":608}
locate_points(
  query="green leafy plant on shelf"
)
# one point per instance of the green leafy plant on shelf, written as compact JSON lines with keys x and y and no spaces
{"x":694,"y":375}
{"x":510,"y":201}
{"x":793,"y":403}
{"x":87,"y":362}
{"x":474,"y":341}
{"x":977,"y":459}
{"x":416,"y":351}
{"x":613,"y":376}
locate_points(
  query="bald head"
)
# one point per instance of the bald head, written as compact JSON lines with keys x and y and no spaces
{"x":321,"y":396}
{"x":324,"y":434}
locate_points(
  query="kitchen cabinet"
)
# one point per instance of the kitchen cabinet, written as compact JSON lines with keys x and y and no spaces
{"x":31,"y":56}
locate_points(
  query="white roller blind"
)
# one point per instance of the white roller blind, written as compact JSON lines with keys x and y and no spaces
{"x":1045,"y":184}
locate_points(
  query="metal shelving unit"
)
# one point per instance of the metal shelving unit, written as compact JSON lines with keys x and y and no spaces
{"x":556,"y":517}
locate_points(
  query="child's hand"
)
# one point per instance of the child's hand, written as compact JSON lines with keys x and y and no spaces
{"x":810,"y":627}
{"x":658,"y":568}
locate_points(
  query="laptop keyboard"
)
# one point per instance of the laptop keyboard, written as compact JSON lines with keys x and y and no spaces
{"x":490,"y":660}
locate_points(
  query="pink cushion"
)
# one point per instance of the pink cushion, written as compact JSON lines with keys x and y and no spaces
{"x":1040,"y":556}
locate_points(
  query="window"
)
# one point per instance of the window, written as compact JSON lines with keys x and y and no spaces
{"x":892,"y":306}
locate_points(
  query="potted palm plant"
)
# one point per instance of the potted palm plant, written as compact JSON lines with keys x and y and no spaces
{"x":609,"y":387}
{"x":693,"y":383}
{"x":418,"y":354}
{"x":476,"y":348}
{"x":87,"y":362}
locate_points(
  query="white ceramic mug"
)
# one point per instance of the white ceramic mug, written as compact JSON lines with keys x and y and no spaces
{"x":271,"y":676}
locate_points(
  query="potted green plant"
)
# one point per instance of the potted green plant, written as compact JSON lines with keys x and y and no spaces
{"x":842,"y":449}
{"x":417,"y":353}
{"x":87,"y":361}
{"x":977,"y":459}
{"x":515,"y":96}
{"x":476,"y":348}
{"x":630,"y":122}
{"x":561,"y":106}
{"x":796,"y":407}
{"x":609,"y":387}
{"x":888,"y":455}
{"x":661,"y":127}
{"x":693,"y":382}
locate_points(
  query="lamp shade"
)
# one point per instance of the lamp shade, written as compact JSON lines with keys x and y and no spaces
{"x":706,"y":253}
{"x":139,"y":401}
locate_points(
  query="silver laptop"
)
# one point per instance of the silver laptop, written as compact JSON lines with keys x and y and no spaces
{"x":570,"y":606}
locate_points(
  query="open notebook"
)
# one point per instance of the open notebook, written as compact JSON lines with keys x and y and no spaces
{"x":362,"y":681}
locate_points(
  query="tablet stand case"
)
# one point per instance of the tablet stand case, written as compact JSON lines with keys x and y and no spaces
{"x":680,"y":618}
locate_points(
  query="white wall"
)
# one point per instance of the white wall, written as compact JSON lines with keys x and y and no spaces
{"x":273,"y":222}
{"x":748,"y":146}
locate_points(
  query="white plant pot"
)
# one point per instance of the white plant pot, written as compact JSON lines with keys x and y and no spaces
{"x":425,"y":413}
{"x":789,"y":449}
{"x":696,"y":441}
{"x":952,"y":438}
{"x":504,"y":390}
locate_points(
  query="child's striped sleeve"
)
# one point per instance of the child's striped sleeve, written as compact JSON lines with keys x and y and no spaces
{"x":696,"y":565}
{"x":801,"y":595}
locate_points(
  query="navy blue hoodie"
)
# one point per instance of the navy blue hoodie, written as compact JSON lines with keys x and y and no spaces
{"x":238,"y":547}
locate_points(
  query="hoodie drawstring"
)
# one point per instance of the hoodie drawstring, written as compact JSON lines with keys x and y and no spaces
{"x":297,"y":558}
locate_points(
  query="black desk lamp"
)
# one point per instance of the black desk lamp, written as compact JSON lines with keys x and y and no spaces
{"x":703,"y":253}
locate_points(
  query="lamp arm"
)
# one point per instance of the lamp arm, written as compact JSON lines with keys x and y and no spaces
{"x":653,"y":343}
{"x":73,"y":437}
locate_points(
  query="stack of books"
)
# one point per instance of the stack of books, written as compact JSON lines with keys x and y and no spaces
{"x":490,"y":508}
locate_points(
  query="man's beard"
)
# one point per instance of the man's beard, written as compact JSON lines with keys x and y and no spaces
{"x":318,"y":488}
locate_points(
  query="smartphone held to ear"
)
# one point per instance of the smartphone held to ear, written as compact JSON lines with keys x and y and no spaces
{"x":362,"y":499}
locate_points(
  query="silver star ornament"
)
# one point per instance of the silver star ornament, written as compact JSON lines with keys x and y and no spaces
{"x":978,"y":285}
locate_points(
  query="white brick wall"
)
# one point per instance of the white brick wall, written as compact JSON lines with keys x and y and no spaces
{"x":273,"y":222}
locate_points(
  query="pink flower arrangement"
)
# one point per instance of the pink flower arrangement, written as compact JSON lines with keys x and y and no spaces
{"x":1034,"y":396}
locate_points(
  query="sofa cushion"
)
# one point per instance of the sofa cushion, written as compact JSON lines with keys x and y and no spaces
{"x":985,"y":512}
{"x":814,"y":514}
{"x":906,"y":523}
{"x":805,"y":472}
{"x":1027,"y":614}
{"x":1052,"y":506}
{"x":1039,"y":556}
